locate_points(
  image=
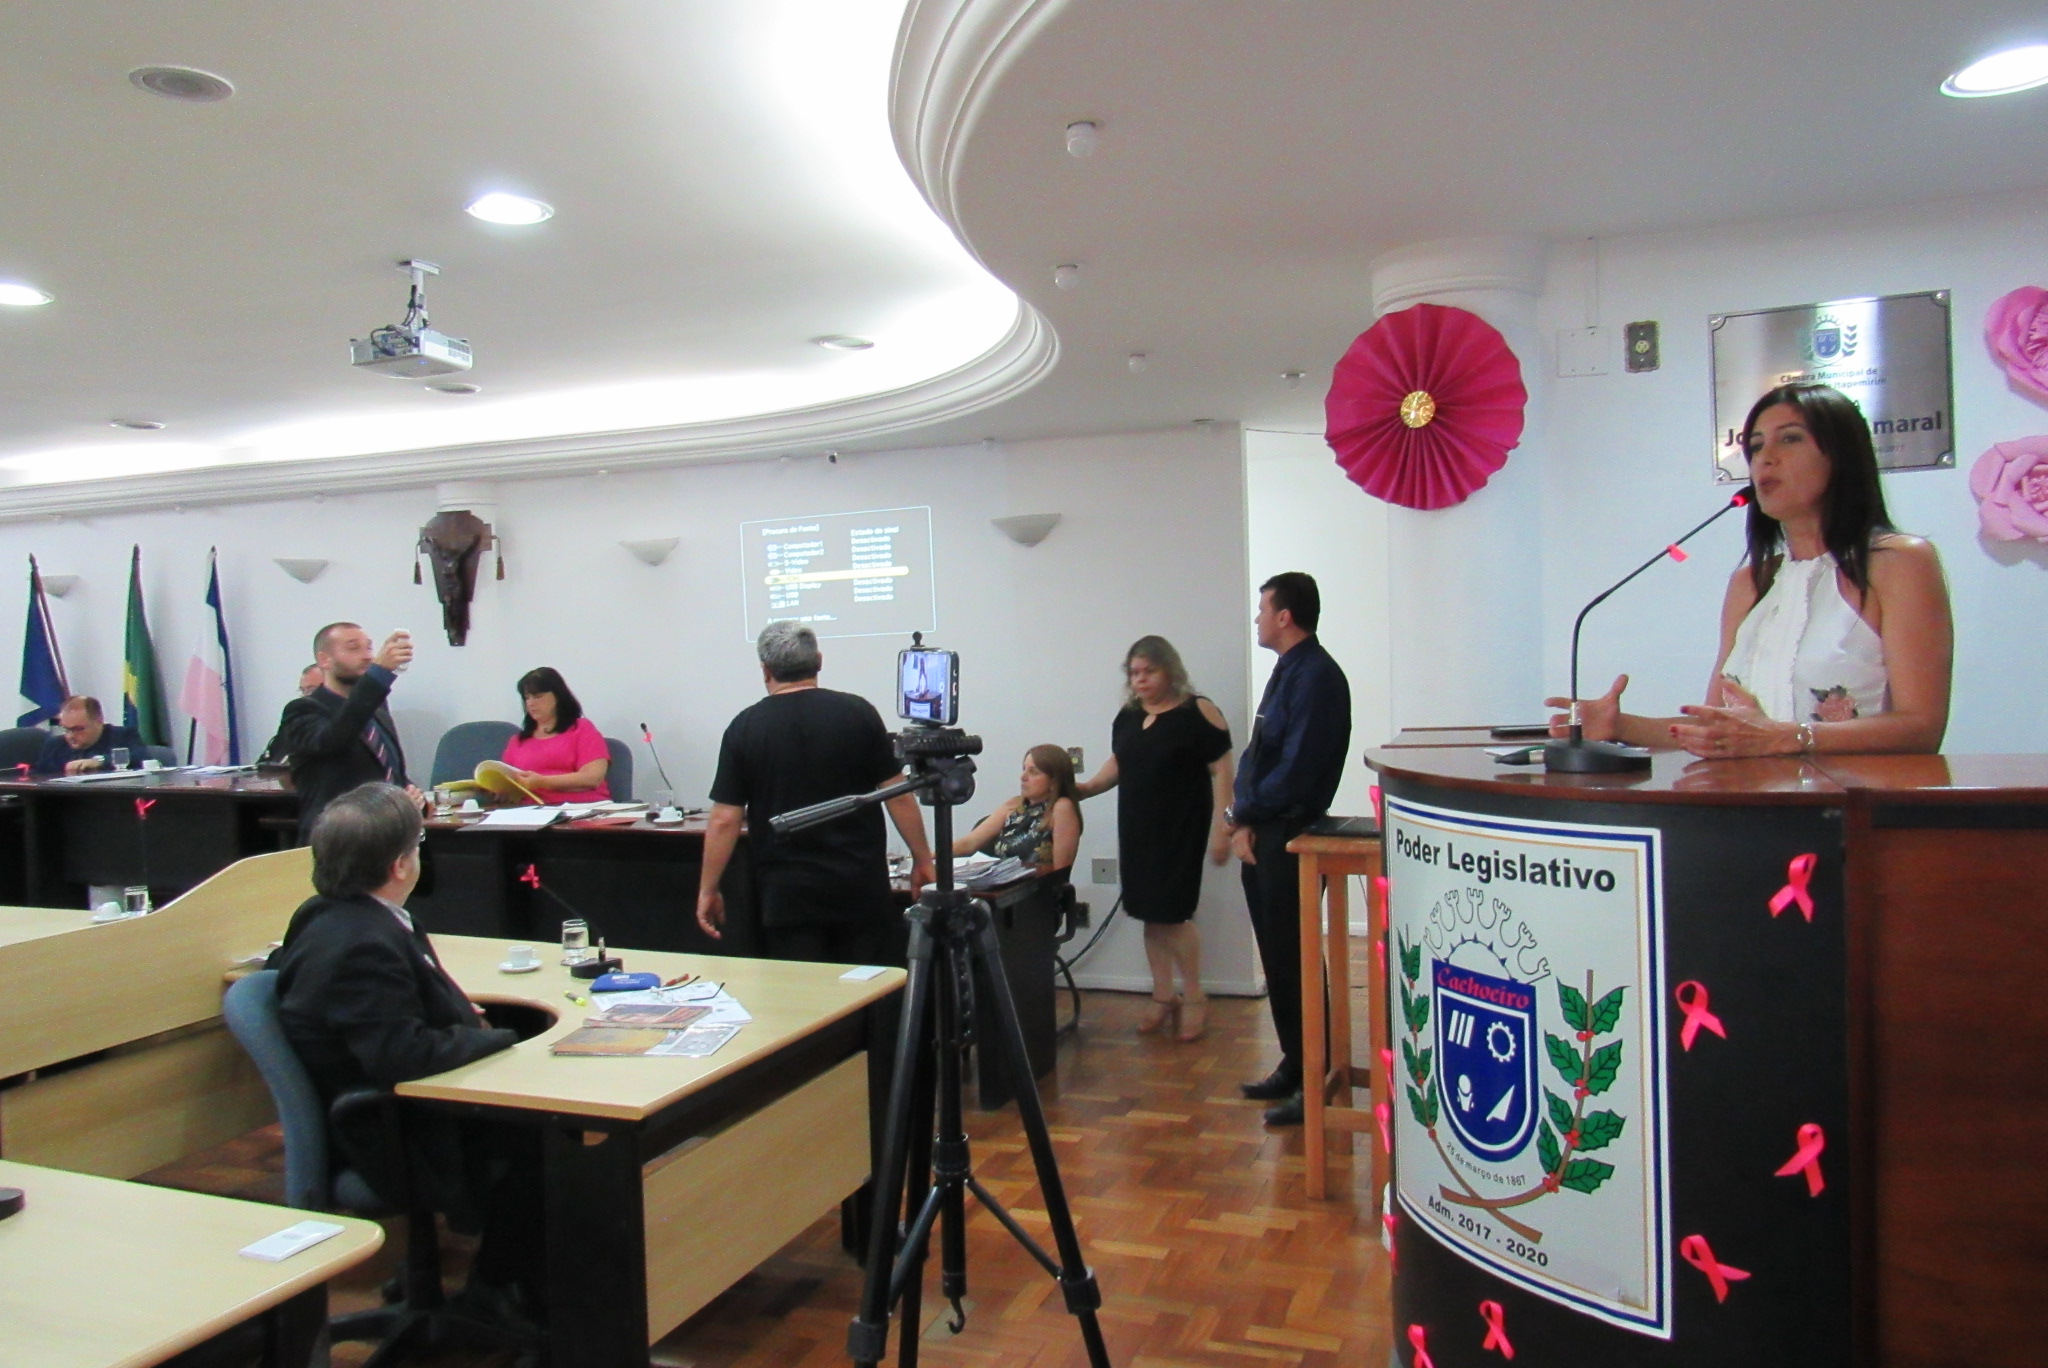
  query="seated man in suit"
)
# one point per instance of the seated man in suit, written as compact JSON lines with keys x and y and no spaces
{"x":310,"y":678}
{"x":365,"y":1002}
{"x":84,"y":740}
{"x":341,"y":734}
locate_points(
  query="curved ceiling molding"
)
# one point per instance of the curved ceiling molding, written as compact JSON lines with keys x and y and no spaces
{"x":1024,"y":356}
{"x":949,"y":56}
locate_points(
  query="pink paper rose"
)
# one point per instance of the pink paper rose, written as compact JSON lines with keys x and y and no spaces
{"x":2011,"y":484}
{"x":2016,"y":330}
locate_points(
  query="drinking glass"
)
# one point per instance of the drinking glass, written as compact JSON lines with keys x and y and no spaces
{"x":575,"y":941}
{"x":118,"y":757}
{"x":135,"y":900}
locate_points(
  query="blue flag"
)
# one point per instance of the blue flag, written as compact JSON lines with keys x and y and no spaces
{"x":43,"y":687}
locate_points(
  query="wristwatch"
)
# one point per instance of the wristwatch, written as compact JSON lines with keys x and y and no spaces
{"x":1230,"y":815}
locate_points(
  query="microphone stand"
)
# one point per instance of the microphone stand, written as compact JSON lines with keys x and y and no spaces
{"x":1577,"y":755}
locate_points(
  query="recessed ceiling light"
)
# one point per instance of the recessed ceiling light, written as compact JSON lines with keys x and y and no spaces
{"x":517,"y":210}
{"x":842,"y":342}
{"x":456,"y":387}
{"x":189,"y":84}
{"x":21,"y":296}
{"x":2002,"y":73}
{"x":137,"y":424}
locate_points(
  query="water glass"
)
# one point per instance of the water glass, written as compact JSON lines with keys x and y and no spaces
{"x":135,"y":900}
{"x":575,"y":941}
{"x":118,"y":757}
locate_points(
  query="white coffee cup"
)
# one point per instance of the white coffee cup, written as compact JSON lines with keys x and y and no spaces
{"x":472,"y":805}
{"x":519,"y":956}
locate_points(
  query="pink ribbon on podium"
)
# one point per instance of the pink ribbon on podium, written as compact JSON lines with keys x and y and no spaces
{"x":1387,"y":1063}
{"x":1384,"y":1115}
{"x":1379,"y":957}
{"x":1695,"y":1250}
{"x":1697,"y":1017}
{"x":1378,"y":809}
{"x":1798,"y":875}
{"x":1811,"y":1143}
{"x":1387,"y":1220}
{"x":531,"y":878}
{"x":1496,"y":1337}
{"x":1416,"y":1336}
{"x":142,"y":807}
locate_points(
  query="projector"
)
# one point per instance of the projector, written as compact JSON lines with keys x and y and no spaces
{"x":410,"y":353}
{"x":411,"y":350}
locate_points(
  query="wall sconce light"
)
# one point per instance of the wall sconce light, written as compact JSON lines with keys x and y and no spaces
{"x":57,"y":586}
{"x":652,"y":551}
{"x":303,"y":570}
{"x":1027,"y":529}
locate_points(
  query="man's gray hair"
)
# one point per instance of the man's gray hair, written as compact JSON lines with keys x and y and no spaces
{"x":359,"y":836}
{"x":789,"y":650}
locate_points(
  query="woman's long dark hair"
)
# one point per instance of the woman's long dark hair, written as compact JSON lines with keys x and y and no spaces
{"x":1852,"y":510}
{"x":547,"y":679}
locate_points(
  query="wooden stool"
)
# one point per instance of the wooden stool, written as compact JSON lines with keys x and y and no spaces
{"x":1327,"y":1083}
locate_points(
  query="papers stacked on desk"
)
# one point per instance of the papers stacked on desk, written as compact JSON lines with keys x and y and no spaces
{"x":644,"y":1023}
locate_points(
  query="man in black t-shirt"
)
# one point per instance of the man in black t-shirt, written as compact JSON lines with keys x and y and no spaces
{"x":824,"y":892}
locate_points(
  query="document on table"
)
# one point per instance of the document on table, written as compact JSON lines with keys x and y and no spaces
{"x":522,"y":818}
{"x":723,"y":1009}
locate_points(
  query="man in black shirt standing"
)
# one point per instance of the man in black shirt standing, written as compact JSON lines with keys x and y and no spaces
{"x":1286,"y":780}
{"x":824,"y":892}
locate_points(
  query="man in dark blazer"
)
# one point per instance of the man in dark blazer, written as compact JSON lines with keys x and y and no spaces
{"x":340,"y":735}
{"x":365,"y":1001}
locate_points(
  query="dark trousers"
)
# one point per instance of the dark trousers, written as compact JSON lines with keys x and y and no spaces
{"x":851,"y":942}
{"x":1272,"y":890}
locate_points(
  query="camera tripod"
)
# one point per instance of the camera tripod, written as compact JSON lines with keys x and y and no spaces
{"x":925,"y":1157}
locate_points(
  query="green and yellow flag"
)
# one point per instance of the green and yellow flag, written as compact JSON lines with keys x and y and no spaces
{"x":142,"y":692}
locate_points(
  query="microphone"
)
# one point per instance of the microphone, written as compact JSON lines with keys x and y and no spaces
{"x":648,"y":737}
{"x":1577,"y":755}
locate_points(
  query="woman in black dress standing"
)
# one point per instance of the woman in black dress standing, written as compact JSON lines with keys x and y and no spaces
{"x":1170,"y":757}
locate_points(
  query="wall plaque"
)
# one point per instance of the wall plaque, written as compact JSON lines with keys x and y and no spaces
{"x":1890,"y":354}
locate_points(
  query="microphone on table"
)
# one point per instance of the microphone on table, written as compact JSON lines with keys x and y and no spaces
{"x":648,"y":737}
{"x":1577,"y":755}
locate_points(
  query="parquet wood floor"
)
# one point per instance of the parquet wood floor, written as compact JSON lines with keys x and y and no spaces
{"x":1191,"y":1212}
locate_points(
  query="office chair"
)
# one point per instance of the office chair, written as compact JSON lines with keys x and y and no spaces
{"x":619,"y":778}
{"x":463,"y":745}
{"x":313,"y":1181}
{"x":21,"y":745}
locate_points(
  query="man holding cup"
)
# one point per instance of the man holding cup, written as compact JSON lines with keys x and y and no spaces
{"x":341,"y":734}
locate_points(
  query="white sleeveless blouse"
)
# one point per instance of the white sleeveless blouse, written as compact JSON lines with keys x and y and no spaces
{"x":1805,"y":653}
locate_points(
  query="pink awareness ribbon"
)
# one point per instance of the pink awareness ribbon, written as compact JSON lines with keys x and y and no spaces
{"x":1416,"y":1336}
{"x":142,"y":807}
{"x":1811,"y":1143}
{"x":1379,"y":813}
{"x":1496,"y":1337}
{"x":531,"y":878}
{"x":1798,"y":874}
{"x":1675,"y":553}
{"x":1695,"y":1250}
{"x":1379,"y":957}
{"x":1387,"y":1063}
{"x":1384,"y":1115}
{"x":1393,"y":1258}
{"x":1697,"y":1017}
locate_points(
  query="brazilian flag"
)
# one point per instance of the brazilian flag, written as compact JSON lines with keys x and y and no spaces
{"x":142,"y":692}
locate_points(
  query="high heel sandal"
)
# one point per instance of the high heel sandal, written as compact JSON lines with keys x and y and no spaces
{"x":1194,"y":1019}
{"x":1163,"y":1011}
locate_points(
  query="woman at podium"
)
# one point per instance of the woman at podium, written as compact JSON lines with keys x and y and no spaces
{"x":1835,"y":631}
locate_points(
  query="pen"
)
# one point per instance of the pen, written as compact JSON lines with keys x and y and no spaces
{"x":579,"y":1001}
{"x":679,"y":981}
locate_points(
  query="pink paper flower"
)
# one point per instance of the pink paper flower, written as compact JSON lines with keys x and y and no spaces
{"x":2011,"y":484}
{"x":2016,"y":330}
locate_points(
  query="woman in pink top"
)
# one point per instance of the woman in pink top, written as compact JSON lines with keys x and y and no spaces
{"x":558,"y":753}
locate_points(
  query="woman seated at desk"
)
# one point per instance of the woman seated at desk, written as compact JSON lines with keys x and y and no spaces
{"x":558,"y":754}
{"x":1041,"y":825}
{"x":1835,"y":632}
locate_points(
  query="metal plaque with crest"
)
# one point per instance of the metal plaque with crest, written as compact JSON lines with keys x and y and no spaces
{"x":1889,"y":354}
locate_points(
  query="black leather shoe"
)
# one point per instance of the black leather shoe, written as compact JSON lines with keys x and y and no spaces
{"x":1287,"y":1113}
{"x":1275,"y":1085}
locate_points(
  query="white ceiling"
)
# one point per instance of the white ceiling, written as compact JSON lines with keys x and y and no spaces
{"x":727,"y":190}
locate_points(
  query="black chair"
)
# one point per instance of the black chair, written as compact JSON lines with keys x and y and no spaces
{"x":380,"y":1180}
{"x":21,"y":745}
{"x":619,"y":778}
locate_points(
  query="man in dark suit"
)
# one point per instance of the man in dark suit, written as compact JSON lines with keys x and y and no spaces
{"x":365,"y":1002}
{"x":340,"y":735}
{"x":84,"y":740}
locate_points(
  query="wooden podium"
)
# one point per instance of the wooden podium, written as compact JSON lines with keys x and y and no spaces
{"x":1818,"y":1142}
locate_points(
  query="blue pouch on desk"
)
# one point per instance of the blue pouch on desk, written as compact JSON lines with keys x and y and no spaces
{"x":624,"y":983}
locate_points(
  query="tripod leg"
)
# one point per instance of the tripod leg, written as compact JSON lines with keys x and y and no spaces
{"x":951,"y":1164}
{"x":867,"y":1340}
{"x":1076,"y":1279}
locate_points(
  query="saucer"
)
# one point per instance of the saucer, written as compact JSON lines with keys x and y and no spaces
{"x":103,"y":918}
{"x":508,"y":967}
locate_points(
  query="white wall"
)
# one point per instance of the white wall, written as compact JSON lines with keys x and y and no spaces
{"x":1152,"y":541}
{"x":1630,"y":458}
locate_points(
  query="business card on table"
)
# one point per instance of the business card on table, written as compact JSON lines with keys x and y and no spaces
{"x":864,"y":973}
{"x":292,"y":1239}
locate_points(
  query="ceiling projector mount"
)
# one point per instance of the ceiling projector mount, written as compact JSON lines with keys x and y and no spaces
{"x":411,"y":350}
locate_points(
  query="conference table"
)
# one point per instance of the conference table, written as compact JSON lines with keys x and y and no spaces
{"x":97,"y":1273}
{"x":668,"y":1179}
{"x":1717,"y":1062}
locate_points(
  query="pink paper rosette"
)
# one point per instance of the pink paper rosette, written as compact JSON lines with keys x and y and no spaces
{"x":1425,"y":406}
{"x":2011,"y":484}
{"x":2016,"y":330}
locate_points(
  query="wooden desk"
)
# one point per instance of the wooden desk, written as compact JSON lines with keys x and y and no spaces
{"x":116,"y":1080}
{"x":79,"y":834}
{"x":669,"y":1179}
{"x":102,"y":1274}
{"x":1326,"y":961}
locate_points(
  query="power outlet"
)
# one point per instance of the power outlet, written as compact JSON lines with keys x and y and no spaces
{"x":1103,"y":871}
{"x":1074,"y":754}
